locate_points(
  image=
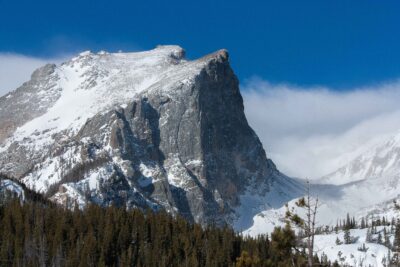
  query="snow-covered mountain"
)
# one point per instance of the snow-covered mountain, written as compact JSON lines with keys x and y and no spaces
{"x":147,"y":129}
{"x":365,"y":187}
{"x":380,"y":161}
{"x":371,"y":181}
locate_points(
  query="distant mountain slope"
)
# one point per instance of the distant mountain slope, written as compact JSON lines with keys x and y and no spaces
{"x":147,"y":129}
{"x":365,"y":187}
{"x":380,"y":161}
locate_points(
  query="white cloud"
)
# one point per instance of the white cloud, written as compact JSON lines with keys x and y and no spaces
{"x":15,"y":69}
{"x":310,"y":132}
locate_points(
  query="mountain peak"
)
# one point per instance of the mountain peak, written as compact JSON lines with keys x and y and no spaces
{"x":94,"y":82}
{"x":221,"y":55}
{"x":143,"y":129}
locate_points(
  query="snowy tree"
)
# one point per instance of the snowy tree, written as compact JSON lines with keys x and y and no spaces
{"x":386,"y":239}
{"x":362,"y":223}
{"x":308,"y":223}
{"x":346,"y":237}
{"x":362,"y":248}
{"x":379,"y":241}
{"x":396,"y":243}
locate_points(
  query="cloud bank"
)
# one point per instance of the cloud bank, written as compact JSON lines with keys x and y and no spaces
{"x":15,"y":69}
{"x":310,"y":132}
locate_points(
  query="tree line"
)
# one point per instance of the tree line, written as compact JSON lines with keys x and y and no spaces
{"x":39,"y":233}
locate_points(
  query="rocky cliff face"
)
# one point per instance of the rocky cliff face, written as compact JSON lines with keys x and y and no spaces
{"x":148,"y":129}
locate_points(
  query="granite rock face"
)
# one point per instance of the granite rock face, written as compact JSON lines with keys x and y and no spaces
{"x":148,"y":129}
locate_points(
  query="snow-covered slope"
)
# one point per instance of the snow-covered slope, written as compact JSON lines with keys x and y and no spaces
{"x":367,"y":198}
{"x":12,"y":187}
{"x":260,"y":213}
{"x":360,"y":252}
{"x":92,"y":83}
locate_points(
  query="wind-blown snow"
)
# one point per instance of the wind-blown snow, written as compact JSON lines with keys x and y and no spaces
{"x":90,"y":83}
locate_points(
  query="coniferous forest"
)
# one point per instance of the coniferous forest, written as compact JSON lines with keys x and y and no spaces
{"x":38,"y":233}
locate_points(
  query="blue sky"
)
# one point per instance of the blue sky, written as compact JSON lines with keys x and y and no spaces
{"x":340,"y":44}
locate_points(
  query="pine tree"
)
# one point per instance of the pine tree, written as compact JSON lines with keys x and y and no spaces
{"x":363,"y":248}
{"x":379,"y":240}
{"x":283,"y":240}
{"x":396,"y":243}
{"x":368,"y":237}
{"x":362,"y":226}
{"x":348,"y":222}
{"x":245,"y":260}
{"x":347,"y":237}
{"x":386,"y":239}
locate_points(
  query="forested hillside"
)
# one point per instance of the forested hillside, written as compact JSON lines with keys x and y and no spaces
{"x":36,"y":233}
